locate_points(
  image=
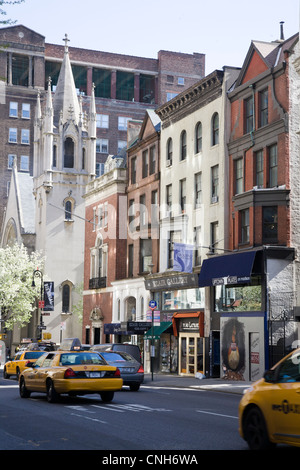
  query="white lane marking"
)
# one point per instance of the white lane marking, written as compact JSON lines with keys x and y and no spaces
{"x":9,"y":386}
{"x":216,"y":414}
{"x":89,"y":418}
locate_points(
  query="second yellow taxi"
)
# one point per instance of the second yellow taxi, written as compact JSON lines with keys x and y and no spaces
{"x":269,"y":412}
{"x":18,"y":363}
{"x":70,"y":372}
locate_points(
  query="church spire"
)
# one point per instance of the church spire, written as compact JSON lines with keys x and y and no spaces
{"x":65,"y":98}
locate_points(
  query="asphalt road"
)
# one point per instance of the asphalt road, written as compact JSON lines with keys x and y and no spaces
{"x":151,"y":419}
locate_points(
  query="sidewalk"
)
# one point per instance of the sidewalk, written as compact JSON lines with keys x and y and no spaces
{"x":177,"y":381}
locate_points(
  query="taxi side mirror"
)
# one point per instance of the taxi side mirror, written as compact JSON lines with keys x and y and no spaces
{"x":269,"y":375}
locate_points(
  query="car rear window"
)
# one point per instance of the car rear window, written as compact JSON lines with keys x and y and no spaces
{"x":115,"y":357}
{"x":33,"y":354}
{"x":77,"y":359}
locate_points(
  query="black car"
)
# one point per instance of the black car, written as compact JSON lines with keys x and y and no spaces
{"x":131,"y":349}
{"x":131,"y":371}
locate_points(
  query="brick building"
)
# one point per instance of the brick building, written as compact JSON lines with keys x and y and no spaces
{"x":125,"y":86}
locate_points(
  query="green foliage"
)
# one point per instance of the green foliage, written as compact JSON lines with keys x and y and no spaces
{"x":3,"y":12}
{"x":17,"y":296}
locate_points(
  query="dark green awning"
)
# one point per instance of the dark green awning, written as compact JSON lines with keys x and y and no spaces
{"x":157,"y":330}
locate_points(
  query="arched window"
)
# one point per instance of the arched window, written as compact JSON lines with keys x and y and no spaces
{"x":68,"y":210}
{"x":169,"y":152}
{"x":66,"y":291}
{"x":183,"y":145}
{"x":215,"y":129}
{"x":54,"y":156}
{"x":69,"y":153}
{"x":83,"y":159}
{"x":198,"y":137}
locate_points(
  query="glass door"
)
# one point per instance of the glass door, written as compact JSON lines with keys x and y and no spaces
{"x":191,"y":354}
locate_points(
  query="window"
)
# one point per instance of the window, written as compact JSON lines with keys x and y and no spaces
{"x":25,"y":111}
{"x":102,"y":121}
{"x":197,"y":244}
{"x":125,"y":86}
{"x":174,"y":236}
{"x":171,"y":95}
{"x":249,"y":115}
{"x":169,"y":151}
{"x":102,"y":145}
{"x":245,"y":229}
{"x":169,"y":198}
{"x":215,"y":184}
{"x":10,"y":162}
{"x":143,"y":211}
{"x":25,"y":136}
{"x":180,"y":80}
{"x":12,"y":135}
{"x":68,"y":210}
{"x":152,"y":160}
{"x":263,"y":108}
{"x":130,"y":260}
{"x":214,"y":228}
{"x":133,"y":170}
{"x":145,"y":163}
{"x":66,"y":292}
{"x":182,"y":189}
{"x":80,"y":78}
{"x":13,"y":109}
{"x":273,"y":169}
{"x":20,"y":70}
{"x":102,"y":81}
{"x":183,"y":145}
{"x":122,"y":144}
{"x":24,"y":163}
{"x":270,"y":229}
{"x":100,"y":169}
{"x":123,"y":123}
{"x":198,"y":138}
{"x":239,"y":176}
{"x":147,"y":88}
{"x":198,"y":190}
{"x":259,"y":169}
{"x":145,"y":254}
{"x":69,"y":153}
{"x":215,"y":129}
{"x":54,"y":156}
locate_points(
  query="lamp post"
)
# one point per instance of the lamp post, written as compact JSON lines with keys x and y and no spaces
{"x":38,"y":273}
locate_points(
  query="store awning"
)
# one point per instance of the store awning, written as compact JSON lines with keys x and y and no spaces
{"x":227,"y":269}
{"x":188,"y":315}
{"x":157,"y":330}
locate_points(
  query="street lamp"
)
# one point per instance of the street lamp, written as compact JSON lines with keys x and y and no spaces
{"x":38,"y":273}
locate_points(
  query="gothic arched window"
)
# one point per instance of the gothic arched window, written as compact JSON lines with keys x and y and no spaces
{"x":69,"y":153}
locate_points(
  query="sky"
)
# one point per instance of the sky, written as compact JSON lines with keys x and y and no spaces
{"x":222,"y":30}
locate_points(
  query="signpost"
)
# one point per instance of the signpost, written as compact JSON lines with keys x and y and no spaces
{"x":152,"y":306}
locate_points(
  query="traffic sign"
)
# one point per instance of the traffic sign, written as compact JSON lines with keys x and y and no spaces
{"x":152,"y":304}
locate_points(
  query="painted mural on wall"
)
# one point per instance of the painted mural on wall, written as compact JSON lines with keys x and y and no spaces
{"x":233,"y":350}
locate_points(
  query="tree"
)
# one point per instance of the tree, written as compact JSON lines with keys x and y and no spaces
{"x":3,"y":12}
{"x":17,"y":295}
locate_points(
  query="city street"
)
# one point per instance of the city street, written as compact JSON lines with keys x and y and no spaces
{"x":155,"y":418}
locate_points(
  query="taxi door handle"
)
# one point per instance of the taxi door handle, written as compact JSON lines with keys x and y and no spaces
{"x":298,"y":390}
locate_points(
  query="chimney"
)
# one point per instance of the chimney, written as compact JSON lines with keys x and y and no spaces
{"x":281,"y":31}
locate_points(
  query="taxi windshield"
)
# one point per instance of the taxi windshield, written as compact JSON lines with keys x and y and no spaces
{"x":68,"y":359}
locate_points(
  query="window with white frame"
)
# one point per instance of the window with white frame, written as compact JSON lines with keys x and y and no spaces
{"x":198,"y":190}
{"x":24,"y":163}
{"x":102,"y":121}
{"x":25,"y":133}
{"x":13,"y":109}
{"x":25,"y":110}
{"x":12,"y":135}
{"x":123,"y":123}
{"x":10,"y":162}
{"x":102,"y":145}
{"x":215,"y":184}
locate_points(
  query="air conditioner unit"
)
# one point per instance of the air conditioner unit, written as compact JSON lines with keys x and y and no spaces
{"x":214,"y":199}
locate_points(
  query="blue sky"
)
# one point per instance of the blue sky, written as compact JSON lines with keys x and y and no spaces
{"x":221,"y":30}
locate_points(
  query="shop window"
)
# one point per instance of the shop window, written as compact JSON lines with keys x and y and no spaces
{"x":69,"y":153}
{"x":125,"y":86}
{"x":102,"y":82}
{"x":239,"y":298}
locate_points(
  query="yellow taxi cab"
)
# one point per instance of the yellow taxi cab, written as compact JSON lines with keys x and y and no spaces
{"x":73,"y":372}
{"x":19,"y":362}
{"x":269,"y":412}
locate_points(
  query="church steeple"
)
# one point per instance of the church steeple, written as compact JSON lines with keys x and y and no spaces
{"x":65,"y":102}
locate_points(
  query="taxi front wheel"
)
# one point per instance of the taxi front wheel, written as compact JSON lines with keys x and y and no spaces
{"x":24,"y":392}
{"x":255,"y":430}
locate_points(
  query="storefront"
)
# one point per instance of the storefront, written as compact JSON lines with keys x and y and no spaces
{"x":180,"y":348}
{"x":250,"y":292}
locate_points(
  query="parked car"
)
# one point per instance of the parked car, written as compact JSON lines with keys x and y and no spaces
{"x":18,"y":363}
{"x":131,"y":349}
{"x":70,"y":372}
{"x":269,"y":412}
{"x":132,"y":372}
